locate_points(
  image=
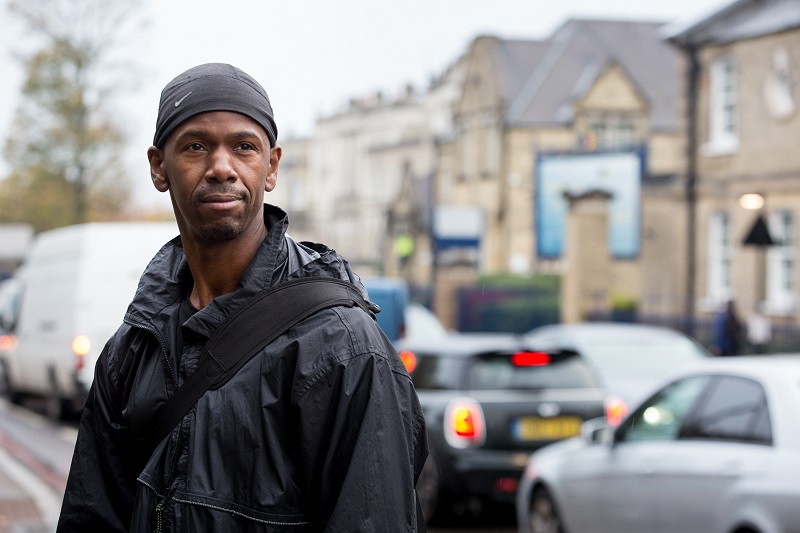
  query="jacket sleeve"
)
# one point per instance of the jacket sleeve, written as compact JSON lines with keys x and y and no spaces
{"x":363,"y":444}
{"x":102,"y":479}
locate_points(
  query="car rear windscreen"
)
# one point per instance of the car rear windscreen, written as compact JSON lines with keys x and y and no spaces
{"x":498,"y":372}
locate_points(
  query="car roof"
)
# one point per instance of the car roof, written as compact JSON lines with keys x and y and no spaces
{"x":610,"y":329}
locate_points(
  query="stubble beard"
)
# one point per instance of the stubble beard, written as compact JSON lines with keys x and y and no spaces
{"x":226,"y":229}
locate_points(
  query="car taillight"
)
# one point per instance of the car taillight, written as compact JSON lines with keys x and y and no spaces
{"x":530,"y":359}
{"x":81,"y":345}
{"x":464,"y":423}
{"x":507,"y":485}
{"x":8,"y":342}
{"x":409,"y":360}
{"x":616,"y":410}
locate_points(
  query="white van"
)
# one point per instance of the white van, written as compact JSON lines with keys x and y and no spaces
{"x":76,"y":283}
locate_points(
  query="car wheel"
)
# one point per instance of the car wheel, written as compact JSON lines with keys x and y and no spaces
{"x":54,"y":408}
{"x":428,"y":488}
{"x":543,"y":513}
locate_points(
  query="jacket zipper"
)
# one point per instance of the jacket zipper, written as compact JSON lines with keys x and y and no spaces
{"x":164,"y":499}
{"x":168,"y":487}
{"x":159,"y":511}
{"x":153,"y":331}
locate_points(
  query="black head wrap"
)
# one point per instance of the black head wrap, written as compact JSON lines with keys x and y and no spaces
{"x":213,"y":87}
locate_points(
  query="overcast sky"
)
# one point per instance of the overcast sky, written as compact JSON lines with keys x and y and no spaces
{"x":313,"y":55}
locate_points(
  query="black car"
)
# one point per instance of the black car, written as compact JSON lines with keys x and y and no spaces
{"x":489,"y":401}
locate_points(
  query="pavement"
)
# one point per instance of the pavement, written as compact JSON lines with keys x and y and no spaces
{"x":19,"y":511}
{"x":30,"y":491}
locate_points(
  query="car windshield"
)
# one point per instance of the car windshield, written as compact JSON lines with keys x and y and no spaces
{"x":498,"y":373}
{"x":631,"y":358}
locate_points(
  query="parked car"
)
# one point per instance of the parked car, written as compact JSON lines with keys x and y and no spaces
{"x":629,"y":358}
{"x":489,"y":400}
{"x":10,"y":296}
{"x":73,"y":289}
{"x":715,"y":449}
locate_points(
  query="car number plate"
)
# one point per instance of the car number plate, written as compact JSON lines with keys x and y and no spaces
{"x":557,"y":427}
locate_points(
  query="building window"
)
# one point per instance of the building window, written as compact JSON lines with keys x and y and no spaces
{"x":723,"y":107}
{"x":613,"y":132}
{"x":720,"y":252}
{"x":782,"y":263}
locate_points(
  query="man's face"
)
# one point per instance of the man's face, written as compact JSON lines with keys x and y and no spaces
{"x":217,"y":166}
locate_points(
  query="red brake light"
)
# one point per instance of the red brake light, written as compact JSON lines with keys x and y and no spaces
{"x":464,"y":423}
{"x":530,"y":359}
{"x":506,"y":485}
{"x":409,"y":360}
{"x":616,"y":410}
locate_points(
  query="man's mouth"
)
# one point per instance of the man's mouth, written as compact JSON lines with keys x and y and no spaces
{"x":220,"y":201}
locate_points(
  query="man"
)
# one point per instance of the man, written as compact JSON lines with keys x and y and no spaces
{"x":321,"y":431}
{"x":727,"y":331}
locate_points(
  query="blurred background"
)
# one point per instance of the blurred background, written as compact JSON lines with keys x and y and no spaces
{"x":515,"y":164}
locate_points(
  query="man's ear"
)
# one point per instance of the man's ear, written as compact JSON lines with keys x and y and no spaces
{"x":157,"y":174}
{"x":272,"y":173}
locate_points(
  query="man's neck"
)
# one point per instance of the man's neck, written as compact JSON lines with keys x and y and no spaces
{"x":217,"y":268}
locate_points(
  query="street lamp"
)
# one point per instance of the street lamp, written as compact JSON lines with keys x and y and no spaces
{"x":751,"y":201}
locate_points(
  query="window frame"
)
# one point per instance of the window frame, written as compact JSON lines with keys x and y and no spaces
{"x":689,"y":423}
{"x":782,"y":284}
{"x":622,"y":434}
{"x":723,"y":107}
{"x":720,"y":258}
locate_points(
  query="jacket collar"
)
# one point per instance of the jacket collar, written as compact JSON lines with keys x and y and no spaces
{"x":167,"y":280}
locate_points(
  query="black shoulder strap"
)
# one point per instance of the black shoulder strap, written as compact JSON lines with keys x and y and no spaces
{"x":244,"y":333}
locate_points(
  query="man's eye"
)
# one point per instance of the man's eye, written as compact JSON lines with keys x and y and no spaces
{"x":246,"y":146}
{"x":195,"y":146}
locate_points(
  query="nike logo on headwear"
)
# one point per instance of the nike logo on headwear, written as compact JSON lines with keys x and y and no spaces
{"x":178,"y":102}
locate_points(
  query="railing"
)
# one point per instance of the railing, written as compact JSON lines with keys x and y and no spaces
{"x":517,"y":310}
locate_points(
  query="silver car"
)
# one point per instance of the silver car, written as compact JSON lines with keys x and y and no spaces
{"x":629,"y":358}
{"x":716,"y":449}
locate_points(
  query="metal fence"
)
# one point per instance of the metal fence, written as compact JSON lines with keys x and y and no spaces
{"x":785,"y":337}
{"x":517,"y":310}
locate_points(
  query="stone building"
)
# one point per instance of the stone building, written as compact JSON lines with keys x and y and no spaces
{"x":370,"y":168}
{"x":595,"y":86}
{"x":292,"y":191}
{"x":741,"y":92}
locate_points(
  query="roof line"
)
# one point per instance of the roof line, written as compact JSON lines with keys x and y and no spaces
{"x":684,"y":35}
{"x":539,"y":74}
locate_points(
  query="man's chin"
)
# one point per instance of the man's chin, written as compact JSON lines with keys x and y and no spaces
{"x":220,"y":231}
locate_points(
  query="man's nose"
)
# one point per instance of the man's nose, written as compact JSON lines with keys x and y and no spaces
{"x":221,"y":166}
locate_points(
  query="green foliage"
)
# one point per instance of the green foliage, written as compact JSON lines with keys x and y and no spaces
{"x":623,"y":302}
{"x":64,"y":150}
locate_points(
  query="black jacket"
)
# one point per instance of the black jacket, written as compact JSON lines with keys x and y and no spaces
{"x":322,"y":431}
